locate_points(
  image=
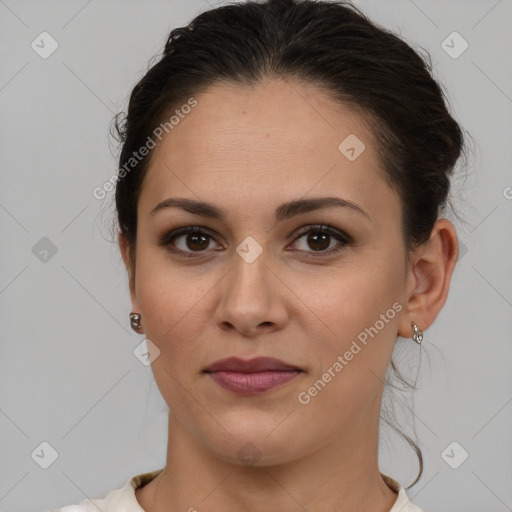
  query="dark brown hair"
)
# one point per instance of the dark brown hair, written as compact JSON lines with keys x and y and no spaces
{"x":332,"y":45}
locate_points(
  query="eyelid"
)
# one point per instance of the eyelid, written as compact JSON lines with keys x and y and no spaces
{"x":165,"y":239}
{"x":343,"y":238}
{"x":328,"y":228}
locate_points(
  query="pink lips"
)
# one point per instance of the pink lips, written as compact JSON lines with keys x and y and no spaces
{"x":252,"y":376}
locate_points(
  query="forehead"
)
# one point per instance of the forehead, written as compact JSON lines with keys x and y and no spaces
{"x":277,"y":139}
{"x":275,"y":115}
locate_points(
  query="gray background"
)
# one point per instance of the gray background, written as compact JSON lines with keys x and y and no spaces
{"x":68,"y":375}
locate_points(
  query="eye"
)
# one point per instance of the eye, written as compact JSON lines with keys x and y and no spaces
{"x":319,"y":239}
{"x":194,"y":240}
{"x":197,"y":240}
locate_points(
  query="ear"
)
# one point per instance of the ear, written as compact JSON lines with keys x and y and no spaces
{"x":429,"y":277}
{"x":124,"y":247}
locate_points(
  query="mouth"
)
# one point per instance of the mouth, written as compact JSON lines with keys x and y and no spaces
{"x":252,"y":376}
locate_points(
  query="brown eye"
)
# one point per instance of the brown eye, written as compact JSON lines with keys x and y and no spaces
{"x":195,"y":242}
{"x":187,"y":241}
{"x":319,"y":239}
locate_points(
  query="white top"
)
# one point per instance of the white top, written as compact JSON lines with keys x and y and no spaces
{"x":124,"y":500}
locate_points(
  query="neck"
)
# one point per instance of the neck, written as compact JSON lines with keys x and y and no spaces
{"x":342,"y":475}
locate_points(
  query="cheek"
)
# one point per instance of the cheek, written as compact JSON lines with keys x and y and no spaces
{"x":357,"y":311}
{"x":353,"y":356}
{"x":172,"y":300}
{"x":170,"y":303}
{"x":353,"y":296}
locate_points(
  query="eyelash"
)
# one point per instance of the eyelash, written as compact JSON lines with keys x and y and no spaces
{"x":343,"y":239}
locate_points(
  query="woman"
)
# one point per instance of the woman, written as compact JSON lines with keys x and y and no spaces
{"x":280,"y":198}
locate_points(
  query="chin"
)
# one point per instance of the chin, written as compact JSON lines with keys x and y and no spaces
{"x":256,"y":448}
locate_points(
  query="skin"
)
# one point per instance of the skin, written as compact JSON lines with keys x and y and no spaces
{"x":248,"y":150}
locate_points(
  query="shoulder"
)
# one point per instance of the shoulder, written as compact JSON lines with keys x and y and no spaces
{"x":118,"y":499}
{"x":402,"y":503}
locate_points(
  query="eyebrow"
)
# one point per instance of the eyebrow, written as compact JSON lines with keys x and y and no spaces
{"x":285,"y":211}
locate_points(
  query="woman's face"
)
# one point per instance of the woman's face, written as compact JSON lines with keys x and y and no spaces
{"x":260,"y":280}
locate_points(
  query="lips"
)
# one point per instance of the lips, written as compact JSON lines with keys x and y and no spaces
{"x":258,"y":364}
{"x":252,"y":377}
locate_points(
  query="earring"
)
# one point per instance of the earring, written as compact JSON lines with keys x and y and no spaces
{"x":135,"y":322}
{"x":417,"y":333}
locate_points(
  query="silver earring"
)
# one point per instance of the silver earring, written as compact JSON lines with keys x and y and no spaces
{"x":135,"y":322}
{"x":417,"y":333}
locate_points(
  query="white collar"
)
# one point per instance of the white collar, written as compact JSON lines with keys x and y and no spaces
{"x":125,"y":499}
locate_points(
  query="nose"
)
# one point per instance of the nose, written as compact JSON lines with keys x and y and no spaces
{"x":253,"y":298}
